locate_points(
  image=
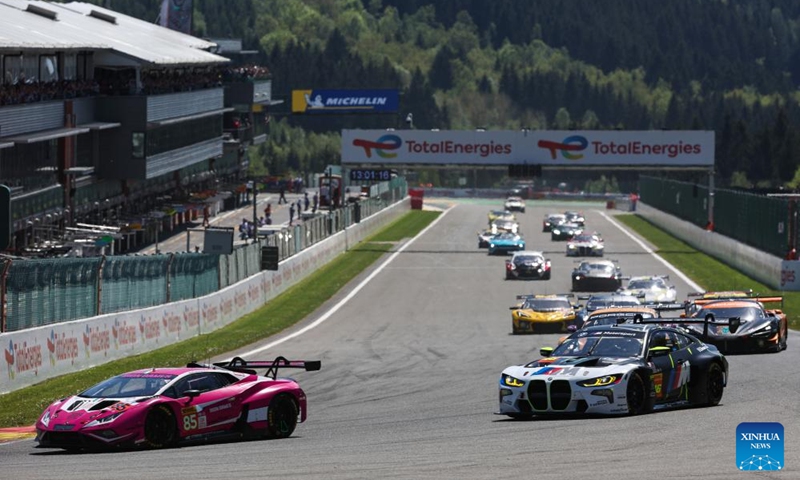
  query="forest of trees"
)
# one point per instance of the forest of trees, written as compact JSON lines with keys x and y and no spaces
{"x":731,"y":67}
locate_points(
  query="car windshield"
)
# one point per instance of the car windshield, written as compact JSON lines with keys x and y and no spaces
{"x":602,"y":343}
{"x":646,"y":283}
{"x":745,"y":313}
{"x":506,"y":236}
{"x":129,"y":385}
{"x":584,"y":238}
{"x":528,"y":259}
{"x":543,"y":304}
{"x":598,"y":268}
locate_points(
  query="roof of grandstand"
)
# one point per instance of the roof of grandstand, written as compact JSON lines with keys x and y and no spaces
{"x":82,"y":26}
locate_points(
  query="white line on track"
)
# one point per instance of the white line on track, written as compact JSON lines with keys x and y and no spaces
{"x":681,"y":275}
{"x":347,"y":298}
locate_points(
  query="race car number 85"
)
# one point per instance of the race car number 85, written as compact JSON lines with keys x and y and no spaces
{"x":190,"y":422}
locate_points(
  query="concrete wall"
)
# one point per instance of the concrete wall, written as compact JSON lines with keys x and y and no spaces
{"x":764,"y":267}
{"x":34,"y":355}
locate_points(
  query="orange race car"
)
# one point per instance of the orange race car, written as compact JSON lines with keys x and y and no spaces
{"x":761,"y":329}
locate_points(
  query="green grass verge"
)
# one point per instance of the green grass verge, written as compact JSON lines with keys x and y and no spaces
{"x":706,"y":271}
{"x":23,"y":406}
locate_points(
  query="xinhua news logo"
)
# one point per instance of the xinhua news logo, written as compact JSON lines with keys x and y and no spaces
{"x":759,"y":447}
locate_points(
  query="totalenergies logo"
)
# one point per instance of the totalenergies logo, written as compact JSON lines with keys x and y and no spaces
{"x":574,"y":143}
{"x":386,"y":142}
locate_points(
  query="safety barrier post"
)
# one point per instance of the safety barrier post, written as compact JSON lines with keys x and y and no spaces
{"x":3,"y":293}
{"x":169,"y":271}
{"x":98,"y":304}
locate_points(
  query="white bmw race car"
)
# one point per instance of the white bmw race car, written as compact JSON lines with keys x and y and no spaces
{"x":622,"y":369}
{"x":654,"y":289}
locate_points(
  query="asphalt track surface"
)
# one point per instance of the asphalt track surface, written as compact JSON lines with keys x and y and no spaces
{"x":408,"y":386}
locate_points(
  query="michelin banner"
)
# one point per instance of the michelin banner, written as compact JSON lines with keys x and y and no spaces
{"x":345,"y":101}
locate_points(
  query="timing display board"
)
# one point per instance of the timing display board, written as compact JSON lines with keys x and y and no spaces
{"x":370,"y":174}
{"x":680,"y":148}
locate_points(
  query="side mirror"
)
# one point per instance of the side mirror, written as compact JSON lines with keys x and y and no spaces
{"x":683,"y":315}
{"x":658,"y":351}
{"x":546,"y":351}
{"x":191,"y":394}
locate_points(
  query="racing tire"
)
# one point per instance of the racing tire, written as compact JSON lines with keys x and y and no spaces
{"x":546,"y":276}
{"x":160,"y":429}
{"x":636,"y":395}
{"x":281,"y":416}
{"x":714,"y":386}
{"x":784,"y":343}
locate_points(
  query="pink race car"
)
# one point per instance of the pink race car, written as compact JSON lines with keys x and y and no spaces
{"x":160,"y":407}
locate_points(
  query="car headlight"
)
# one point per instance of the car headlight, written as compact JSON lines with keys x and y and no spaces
{"x":46,"y":418}
{"x":104,"y":420}
{"x":491,"y":245}
{"x":511,"y":381}
{"x":765,"y":329}
{"x":522,"y":314}
{"x":557,"y":232}
{"x":601,"y":381}
{"x":570,"y":246}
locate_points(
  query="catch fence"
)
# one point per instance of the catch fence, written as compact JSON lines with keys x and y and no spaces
{"x":36,"y":292}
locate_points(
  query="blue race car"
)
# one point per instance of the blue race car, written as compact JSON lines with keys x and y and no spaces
{"x":506,"y":242}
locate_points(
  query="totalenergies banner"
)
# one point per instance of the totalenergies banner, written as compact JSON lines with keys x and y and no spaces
{"x":541,"y":147}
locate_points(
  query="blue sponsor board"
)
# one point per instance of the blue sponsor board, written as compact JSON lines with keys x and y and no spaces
{"x":345,"y":101}
{"x":759,"y":447}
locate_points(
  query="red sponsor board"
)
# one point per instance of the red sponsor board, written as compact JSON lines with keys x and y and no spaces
{"x":172,"y":322}
{"x":191,"y":317}
{"x":210,"y":313}
{"x":240,"y":299}
{"x":150,"y":328}
{"x":124,"y":334}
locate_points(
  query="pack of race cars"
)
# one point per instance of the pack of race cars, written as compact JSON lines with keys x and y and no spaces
{"x":630,"y":346}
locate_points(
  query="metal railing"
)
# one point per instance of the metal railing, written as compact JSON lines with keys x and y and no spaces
{"x":37,"y":292}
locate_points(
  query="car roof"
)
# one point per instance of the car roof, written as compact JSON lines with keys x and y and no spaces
{"x":633,"y":327}
{"x":637,"y":309}
{"x":528,"y":252}
{"x":169,"y":371}
{"x":599,"y":262}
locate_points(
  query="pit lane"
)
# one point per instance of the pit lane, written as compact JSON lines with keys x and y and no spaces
{"x":409,"y":378}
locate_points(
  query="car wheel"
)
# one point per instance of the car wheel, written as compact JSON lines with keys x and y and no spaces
{"x":160,"y":429}
{"x":784,"y":344}
{"x":635,"y":394}
{"x":282,"y":416}
{"x":715,"y":384}
{"x":547,"y":276}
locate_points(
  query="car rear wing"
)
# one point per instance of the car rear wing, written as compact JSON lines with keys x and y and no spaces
{"x":757,"y":298}
{"x":723,"y":295}
{"x":545,"y":295}
{"x":661,"y":307}
{"x":733,"y":323}
{"x":238,"y":364}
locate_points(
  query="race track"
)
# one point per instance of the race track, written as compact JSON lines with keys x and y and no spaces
{"x":408,"y":386}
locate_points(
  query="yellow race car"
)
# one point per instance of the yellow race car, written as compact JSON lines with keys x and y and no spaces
{"x":501,"y":215}
{"x":543,"y":314}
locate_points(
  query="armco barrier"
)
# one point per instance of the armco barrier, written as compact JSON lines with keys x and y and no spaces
{"x":37,"y":354}
{"x":762,"y":266}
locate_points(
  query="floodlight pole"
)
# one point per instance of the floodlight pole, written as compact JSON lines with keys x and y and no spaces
{"x":710,"y":225}
{"x":255,"y":211}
